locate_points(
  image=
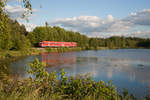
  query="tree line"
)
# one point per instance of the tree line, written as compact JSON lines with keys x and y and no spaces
{"x":14,"y":36}
{"x":120,"y":42}
{"x":56,"y":33}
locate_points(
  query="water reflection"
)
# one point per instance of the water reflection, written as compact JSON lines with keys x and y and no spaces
{"x":55,"y":59}
{"x":70,"y":61}
{"x":126,"y":68}
{"x":130,"y":68}
{"x":99,"y":65}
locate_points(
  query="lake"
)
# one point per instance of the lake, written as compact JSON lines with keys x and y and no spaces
{"x":127,"y":68}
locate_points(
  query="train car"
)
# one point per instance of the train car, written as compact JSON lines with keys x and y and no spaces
{"x":57,"y":44}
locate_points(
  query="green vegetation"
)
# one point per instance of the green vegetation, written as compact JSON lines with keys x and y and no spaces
{"x":12,"y":35}
{"x":59,"y":34}
{"x":56,"y":34}
{"x":63,"y":49}
{"x":117,"y":42}
{"x":12,"y":54}
{"x":52,"y":86}
{"x":16,"y":41}
{"x":4,"y":69}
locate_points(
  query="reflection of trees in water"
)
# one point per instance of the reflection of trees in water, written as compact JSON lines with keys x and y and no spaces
{"x":71,"y":62}
{"x":87,"y":59}
{"x":134,"y":69}
{"x":55,"y":59}
{"x":86,"y":65}
{"x":20,"y":67}
{"x":12,"y":68}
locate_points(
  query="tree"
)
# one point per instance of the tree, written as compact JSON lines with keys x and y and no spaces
{"x":93,"y":42}
{"x":23,"y":30}
{"x":5,"y":37}
{"x":10,"y":31}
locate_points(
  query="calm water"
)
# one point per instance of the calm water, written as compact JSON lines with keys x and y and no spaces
{"x":127,"y":68}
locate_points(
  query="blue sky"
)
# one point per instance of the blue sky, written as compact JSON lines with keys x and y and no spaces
{"x":106,"y":17}
{"x":52,"y":9}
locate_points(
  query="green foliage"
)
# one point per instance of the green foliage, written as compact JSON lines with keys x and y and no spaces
{"x":20,"y":42}
{"x":93,"y":42}
{"x":119,"y":42}
{"x":12,"y":35}
{"x":4,"y":69}
{"x":56,"y":34}
{"x":13,"y":54}
{"x":38,"y":70}
{"x":5,"y":36}
{"x":48,"y":33}
{"x":49,"y":49}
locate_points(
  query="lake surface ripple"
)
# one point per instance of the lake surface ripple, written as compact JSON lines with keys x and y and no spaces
{"x":127,"y":68}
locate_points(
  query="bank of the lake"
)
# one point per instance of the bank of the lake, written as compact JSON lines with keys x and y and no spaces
{"x":8,"y":54}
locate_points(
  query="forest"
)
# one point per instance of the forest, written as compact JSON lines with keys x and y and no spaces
{"x":14,"y":36}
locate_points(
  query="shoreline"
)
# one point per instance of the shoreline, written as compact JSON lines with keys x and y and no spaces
{"x":9,"y":54}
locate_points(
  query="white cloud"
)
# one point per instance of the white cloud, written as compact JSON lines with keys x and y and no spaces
{"x":110,"y":18}
{"x":140,"y":17}
{"x":91,"y":24}
{"x":142,"y":34}
{"x":29,"y":26}
{"x":92,"y":21}
{"x":16,"y":12}
{"x":95,"y":26}
{"x":14,"y":0}
{"x":119,"y":25}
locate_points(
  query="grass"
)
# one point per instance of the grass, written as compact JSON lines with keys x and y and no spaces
{"x":6,"y":54}
{"x":63,"y":49}
{"x":11,"y":54}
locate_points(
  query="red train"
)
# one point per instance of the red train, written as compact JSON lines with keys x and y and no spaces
{"x":57,"y":44}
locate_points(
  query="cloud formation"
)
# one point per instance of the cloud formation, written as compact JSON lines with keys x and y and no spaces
{"x":88,"y":24}
{"x":142,"y":34}
{"x":95,"y":26}
{"x":14,"y":0}
{"x":29,"y":26}
{"x":16,"y":12}
{"x":140,"y":18}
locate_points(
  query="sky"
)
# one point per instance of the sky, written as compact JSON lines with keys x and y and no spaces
{"x":95,"y":18}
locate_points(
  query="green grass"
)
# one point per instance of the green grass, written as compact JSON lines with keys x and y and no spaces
{"x":10,"y":54}
{"x":4,"y":54}
{"x":63,"y":49}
